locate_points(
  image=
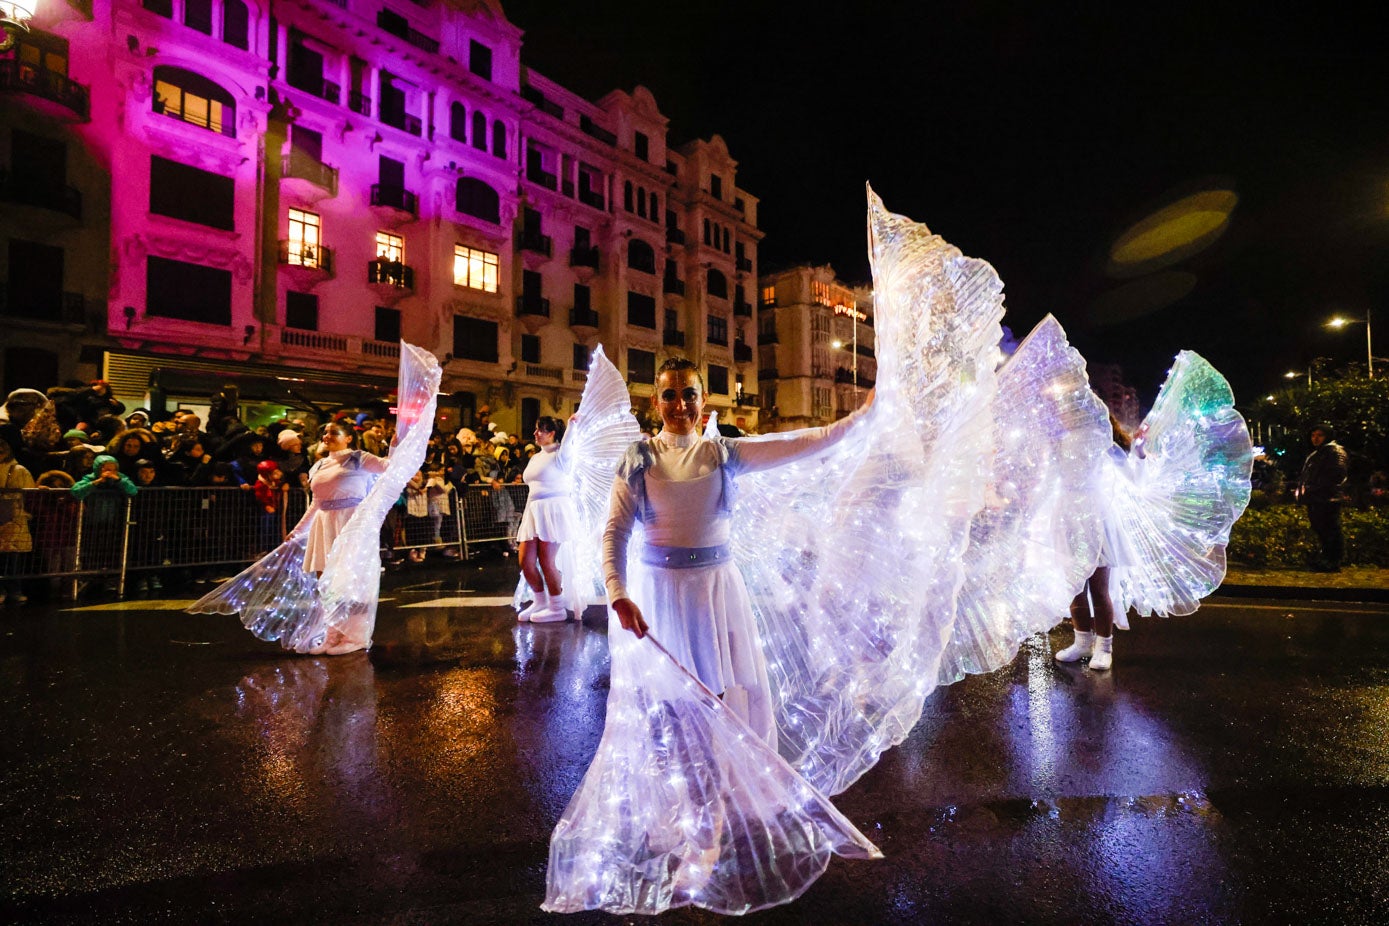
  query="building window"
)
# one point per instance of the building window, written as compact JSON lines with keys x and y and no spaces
{"x":641,"y":256}
{"x":717,"y":283}
{"x":706,"y":231}
{"x":176,"y":289}
{"x":479,"y":131}
{"x":718,"y":379}
{"x":641,"y":366}
{"x":725,"y":240}
{"x":194,"y":99}
{"x":191,"y":194}
{"x":301,"y":311}
{"x":474,"y":339}
{"x":583,"y":298}
{"x":641,"y":146}
{"x":820,"y":401}
{"x":236,"y":23}
{"x":655,"y":206}
{"x":499,"y":138}
{"x":716,"y":186}
{"x":641,"y":310}
{"x":581,"y":357}
{"x":475,"y":269}
{"x":480,"y":59}
{"x":641,"y":202}
{"x":387,"y":324}
{"x":530,"y":348}
{"x":390,"y":247}
{"x":718,"y":330}
{"x":304,"y":239}
{"x":769,"y":295}
{"x":163,"y":8}
{"x":627,"y":195}
{"x":458,"y":122}
{"x":35,"y":286}
{"x":477,"y":199}
{"x":197,"y":14}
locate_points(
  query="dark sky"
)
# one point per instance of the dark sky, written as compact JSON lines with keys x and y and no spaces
{"x":1032,"y":135}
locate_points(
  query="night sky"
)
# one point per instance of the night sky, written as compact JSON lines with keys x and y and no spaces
{"x":1033,"y":135}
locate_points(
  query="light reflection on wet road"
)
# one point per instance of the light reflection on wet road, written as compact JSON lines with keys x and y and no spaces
{"x":159,"y":766}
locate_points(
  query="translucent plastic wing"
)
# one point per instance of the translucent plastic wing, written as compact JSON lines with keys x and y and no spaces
{"x":1173,"y":507}
{"x":1038,"y":536}
{"x":853,"y":560}
{"x":684,"y":805}
{"x":277,"y":600}
{"x":351,"y":577}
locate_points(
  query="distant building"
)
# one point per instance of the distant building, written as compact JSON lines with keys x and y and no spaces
{"x":198,"y":192}
{"x":815,"y":347}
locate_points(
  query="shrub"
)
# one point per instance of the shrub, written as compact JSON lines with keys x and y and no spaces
{"x":1279,"y":537}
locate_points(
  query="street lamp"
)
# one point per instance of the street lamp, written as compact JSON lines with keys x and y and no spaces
{"x":14,"y":18}
{"x":1341,"y":321}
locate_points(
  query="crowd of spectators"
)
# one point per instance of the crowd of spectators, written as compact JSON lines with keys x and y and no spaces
{"x":82,"y":444}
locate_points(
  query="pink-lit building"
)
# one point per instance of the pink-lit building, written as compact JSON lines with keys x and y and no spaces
{"x":816,"y":346}
{"x":280,"y":200}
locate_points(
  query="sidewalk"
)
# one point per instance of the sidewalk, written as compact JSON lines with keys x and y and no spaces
{"x":1353,"y":583}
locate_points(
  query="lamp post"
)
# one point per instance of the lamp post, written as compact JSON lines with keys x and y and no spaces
{"x":14,"y":18}
{"x":1341,"y":321}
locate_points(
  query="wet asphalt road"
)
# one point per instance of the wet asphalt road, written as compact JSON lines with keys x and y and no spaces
{"x":161,"y":767}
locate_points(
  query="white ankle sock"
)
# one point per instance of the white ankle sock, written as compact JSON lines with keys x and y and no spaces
{"x":1077,"y":650}
{"x":541,"y":602}
{"x":1102,"y":657}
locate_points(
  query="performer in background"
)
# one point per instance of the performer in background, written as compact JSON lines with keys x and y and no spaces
{"x":548,"y":522}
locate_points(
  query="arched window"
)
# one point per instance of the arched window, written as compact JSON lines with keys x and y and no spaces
{"x":478,"y":200}
{"x":479,"y":131}
{"x":194,"y":99}
{"x":499,"y":139}
{"x":641,"y":256}
{"x":717,"y":284}
{"x":458,"y":122}
{"x":236,"y":24}
{"x":627,"y":195}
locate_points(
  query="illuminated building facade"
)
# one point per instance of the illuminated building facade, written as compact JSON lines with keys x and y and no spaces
{"x":815,"y":347}
{"x":287,"y":197}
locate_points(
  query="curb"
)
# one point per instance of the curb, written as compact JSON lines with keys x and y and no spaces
{"x":1304,"y":593}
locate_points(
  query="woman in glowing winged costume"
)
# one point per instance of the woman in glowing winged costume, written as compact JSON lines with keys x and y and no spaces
{"x":317,"y":591}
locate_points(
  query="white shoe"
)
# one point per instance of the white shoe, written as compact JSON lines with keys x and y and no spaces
{"x":1077,"y":650}
{"x":539,"y":603}
{"x":1102,"y":657}
{"x":552,"y":613}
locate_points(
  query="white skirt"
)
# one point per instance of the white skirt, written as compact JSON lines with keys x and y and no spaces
{"x":323,"y":532}
{"x":704,"y":617}
{"x":550,"y":519}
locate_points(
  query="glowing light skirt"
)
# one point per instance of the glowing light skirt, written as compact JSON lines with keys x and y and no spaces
{"x":278,"y":601}
{"x":1171,"y":509}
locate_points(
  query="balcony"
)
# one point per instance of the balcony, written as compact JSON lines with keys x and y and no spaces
{"x":68,"y":98}
{"x":537,"y":243}
{"x":675,"y":236}
{"x":742,"y":309}
{"x":309,"y":179}
{"x":764,"y":373}
{"x":843,"y":375}
{"x":394,"y":203}
{"x":584,"y":321}
{"x":767,"y":337}
{"x":316,"y":86}
{"x":742,"y":353}
{"x":673,"y":338}
{"x":538,"y":175}
{"x":70,"y":308}
{"x":314,"y":340}
{"x":718,"y":340}
{"x":584,"y":257}
{"x":359,"y":103}
{"x":541,"y":103}
{"x":384,"y":350}
{"x":746,"y":399}
{"x":672,"y":286}
{"x":744,"y":264}
{"x":403,"y":121}
{"x":397,"y":26}
{"x":536,"y":371}
{"x":592,"y":198}
{"x":391,"y":280}
{"x":592,"y":130}
{"x":306,"y":264}
{"x":533,"y":310}
{"x":25,"y":190}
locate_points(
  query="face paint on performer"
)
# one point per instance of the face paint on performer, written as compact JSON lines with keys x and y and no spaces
{"x":680,"y":400}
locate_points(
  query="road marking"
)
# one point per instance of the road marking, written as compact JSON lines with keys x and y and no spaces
{"x":481,"y":601}
{"x":1352,"y":607}
{"x":137,"y":604}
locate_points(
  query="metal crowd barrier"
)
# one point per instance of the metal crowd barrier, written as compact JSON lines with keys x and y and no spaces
{"x":108,"y":536}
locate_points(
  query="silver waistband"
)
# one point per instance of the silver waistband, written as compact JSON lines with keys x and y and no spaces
{"x":542,"y":496}
{"x":337,"y":504}
{"x":685,"y":557}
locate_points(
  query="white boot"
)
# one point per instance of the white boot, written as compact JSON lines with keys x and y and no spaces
{"x":553,"y":610}
{"x":1103,"y":655}
{"x":540,"y":602}
{"x":1077,"y":650}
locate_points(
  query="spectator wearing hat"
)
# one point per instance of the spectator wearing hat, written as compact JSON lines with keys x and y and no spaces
{"x":269,"y":495}
{"x":15,"y":539}
{"x":1321,"y":487}
{"x":294,"y":462}
{"x":103,"y":493}
{"x":95,"y":402}
{"x":31,"y":412}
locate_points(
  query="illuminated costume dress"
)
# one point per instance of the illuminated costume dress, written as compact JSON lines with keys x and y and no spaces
{"x":851,"y":557}
{"x":281,"y":597}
